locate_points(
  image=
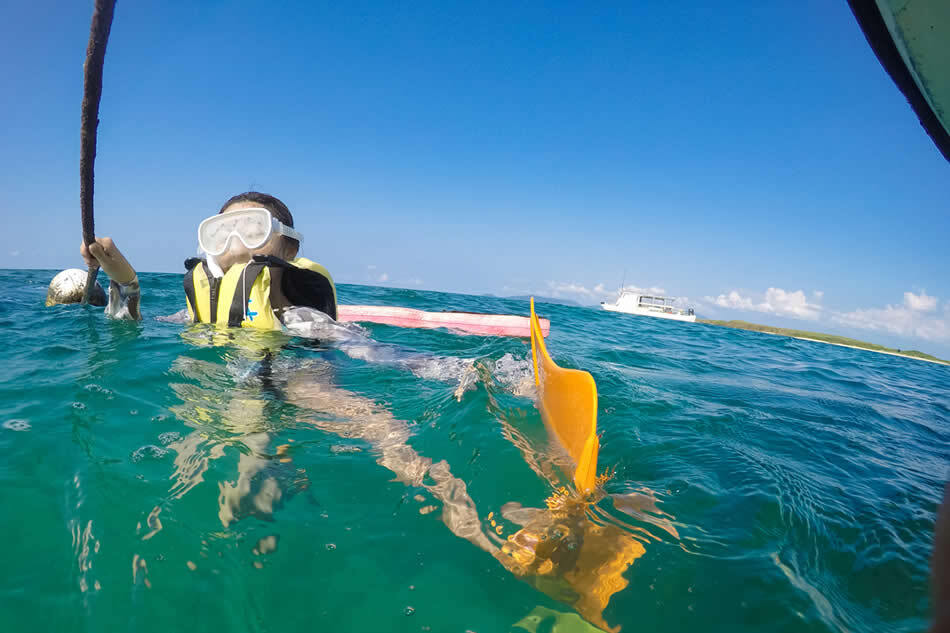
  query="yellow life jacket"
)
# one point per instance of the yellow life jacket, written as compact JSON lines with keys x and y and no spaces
{"x":242,"y":297}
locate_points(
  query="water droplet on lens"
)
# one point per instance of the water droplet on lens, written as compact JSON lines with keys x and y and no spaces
{"x":410,"y":610}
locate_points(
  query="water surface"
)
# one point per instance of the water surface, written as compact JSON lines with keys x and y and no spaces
{"x":151,"y":480}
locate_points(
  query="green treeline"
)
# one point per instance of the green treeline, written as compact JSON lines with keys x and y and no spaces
{"x":825,"y":338}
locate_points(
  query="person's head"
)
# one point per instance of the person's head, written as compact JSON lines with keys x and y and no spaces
{"x":280,"y":246}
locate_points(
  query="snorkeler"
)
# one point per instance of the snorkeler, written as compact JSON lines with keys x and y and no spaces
{"x":252,"y":277}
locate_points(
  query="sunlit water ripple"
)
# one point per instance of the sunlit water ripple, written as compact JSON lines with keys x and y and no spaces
{"x":150,"y":480}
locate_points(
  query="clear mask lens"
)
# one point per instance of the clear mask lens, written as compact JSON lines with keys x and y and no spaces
{"x":253,"y":227}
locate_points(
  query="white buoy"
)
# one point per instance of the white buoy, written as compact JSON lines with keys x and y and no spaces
{"x":67,"y":287}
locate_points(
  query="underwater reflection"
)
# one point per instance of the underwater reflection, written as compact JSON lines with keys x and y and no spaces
{"x":229,"y":408}
{"x":544,"y":620}
{"x":575,"y":550}
{"x":349,"y":415}
{"x":573,"y":553}
{"x":236,"y":406}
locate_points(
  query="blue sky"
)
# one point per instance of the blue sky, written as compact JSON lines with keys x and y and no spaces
{"x":755,"y":159}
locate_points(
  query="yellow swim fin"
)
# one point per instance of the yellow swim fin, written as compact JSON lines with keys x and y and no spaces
{"x":567,"y":399}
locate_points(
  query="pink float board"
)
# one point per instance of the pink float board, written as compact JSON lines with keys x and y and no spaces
{"x":468,"y":322}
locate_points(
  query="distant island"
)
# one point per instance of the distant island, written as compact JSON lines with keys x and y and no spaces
{"x":824,"y":338}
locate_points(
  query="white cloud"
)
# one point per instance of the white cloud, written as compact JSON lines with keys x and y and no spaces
{"x":14,"y":253}
{"x":384,"y":277}
{"x":921,"y":303}
{"x":818,"y":294}
{"x":910,"y":319}
{"x":370,"y":266}
{"x":559,"y":289}
{"x":599,"y":291}
{"x":732,"y":300}
{"x":791,"y":303}
{"x":776,"y":301}
{"x":562,"y":290}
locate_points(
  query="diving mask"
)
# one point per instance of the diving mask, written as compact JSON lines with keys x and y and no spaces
{"x":253,"y":227}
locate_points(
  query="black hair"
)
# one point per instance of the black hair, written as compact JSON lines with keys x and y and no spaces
{"x":277,"y":209}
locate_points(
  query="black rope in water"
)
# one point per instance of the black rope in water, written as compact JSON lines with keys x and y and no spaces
{"x":92,"y":93}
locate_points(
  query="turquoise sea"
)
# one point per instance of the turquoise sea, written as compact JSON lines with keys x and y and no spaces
{"x":154,"y":477}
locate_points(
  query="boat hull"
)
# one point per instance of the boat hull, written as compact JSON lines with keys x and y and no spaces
{"x":689,"y":318}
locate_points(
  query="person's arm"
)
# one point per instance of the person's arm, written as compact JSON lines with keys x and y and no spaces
{"x":124,"y":292}
{"x":353,"y":416}
{"x":310,"y":323}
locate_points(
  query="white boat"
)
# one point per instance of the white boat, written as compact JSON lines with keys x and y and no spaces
{"x":631,"y":302}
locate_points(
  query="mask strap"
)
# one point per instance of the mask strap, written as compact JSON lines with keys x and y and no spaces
{"x":283,"y":229}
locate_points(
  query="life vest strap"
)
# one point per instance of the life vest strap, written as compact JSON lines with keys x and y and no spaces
{"x":239,"y":301}
{"x":190,"y":264}
{"x":190,"y":292}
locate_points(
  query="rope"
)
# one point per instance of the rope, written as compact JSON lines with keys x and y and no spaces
{"x":92,"y":92}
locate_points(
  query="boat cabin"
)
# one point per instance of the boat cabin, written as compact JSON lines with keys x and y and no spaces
{"x":633,"y":302}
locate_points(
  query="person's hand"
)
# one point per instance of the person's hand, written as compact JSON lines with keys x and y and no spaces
{"x":105,"y":254}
